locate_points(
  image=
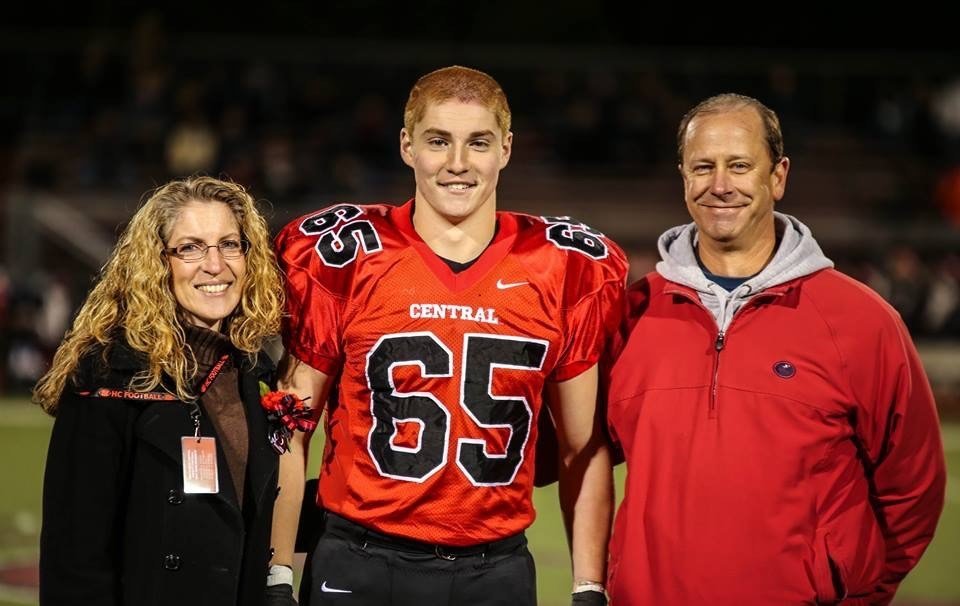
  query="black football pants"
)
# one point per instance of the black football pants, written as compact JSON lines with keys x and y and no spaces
{"x":354,"y":566}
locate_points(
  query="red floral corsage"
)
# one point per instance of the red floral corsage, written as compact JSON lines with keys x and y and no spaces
{"x":286,"y":413}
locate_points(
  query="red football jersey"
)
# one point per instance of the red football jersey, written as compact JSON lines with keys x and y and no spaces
{"x":431,"y":426}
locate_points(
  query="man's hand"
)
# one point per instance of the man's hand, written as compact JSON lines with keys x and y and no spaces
{"x":279,"y":595}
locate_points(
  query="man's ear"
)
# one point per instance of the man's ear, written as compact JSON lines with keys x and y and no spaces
{"x":779,"y":180}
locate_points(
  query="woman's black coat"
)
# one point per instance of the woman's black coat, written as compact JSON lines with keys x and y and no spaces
{"x":117,"y":527}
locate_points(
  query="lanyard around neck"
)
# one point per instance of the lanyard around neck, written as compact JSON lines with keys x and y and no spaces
{"x":204,"y":386}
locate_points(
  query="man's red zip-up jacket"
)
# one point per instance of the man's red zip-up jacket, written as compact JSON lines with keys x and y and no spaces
{"x":795,"y":458}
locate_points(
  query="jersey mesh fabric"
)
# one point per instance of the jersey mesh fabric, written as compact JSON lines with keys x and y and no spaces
{"x":430,"y":432}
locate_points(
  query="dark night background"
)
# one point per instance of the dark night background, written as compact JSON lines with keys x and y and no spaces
{"x":302,"y":103}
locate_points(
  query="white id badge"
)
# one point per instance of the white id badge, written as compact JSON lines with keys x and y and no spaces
{"x":200,"y":465}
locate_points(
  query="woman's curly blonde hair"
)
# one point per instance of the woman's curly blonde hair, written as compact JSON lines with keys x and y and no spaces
{"x":133,"y":294}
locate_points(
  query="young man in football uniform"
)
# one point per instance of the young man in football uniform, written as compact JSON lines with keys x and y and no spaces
{"x":431,"y":330}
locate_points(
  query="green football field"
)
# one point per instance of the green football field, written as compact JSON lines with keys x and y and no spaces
{"x":24,"y":431}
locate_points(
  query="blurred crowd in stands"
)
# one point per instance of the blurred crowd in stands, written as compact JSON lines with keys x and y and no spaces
{"x":290,"y":121}
{"x":304,"y":123}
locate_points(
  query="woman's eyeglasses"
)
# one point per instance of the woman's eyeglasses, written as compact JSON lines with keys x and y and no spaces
{"x":197,"y":251}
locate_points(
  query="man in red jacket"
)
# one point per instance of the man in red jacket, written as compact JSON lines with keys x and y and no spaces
{"x":781,"y":439}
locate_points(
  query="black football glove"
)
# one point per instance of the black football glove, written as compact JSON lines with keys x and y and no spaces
{"x":279,"y":595}
{"x":589,"y":598}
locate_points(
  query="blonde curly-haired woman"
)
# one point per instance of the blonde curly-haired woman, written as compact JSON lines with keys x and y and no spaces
{"x":160,"y":478}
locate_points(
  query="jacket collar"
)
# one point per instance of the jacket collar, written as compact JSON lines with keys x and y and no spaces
{"x":674,"y":288}
{"x":120,"y":356}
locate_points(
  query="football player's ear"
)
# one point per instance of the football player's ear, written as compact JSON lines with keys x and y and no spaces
{"x":506,"y":147}
{"x":406,"y":147}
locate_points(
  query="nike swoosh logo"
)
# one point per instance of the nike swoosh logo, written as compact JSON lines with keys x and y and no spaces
{"x":505,"y":285}
{"x":327,"y":589}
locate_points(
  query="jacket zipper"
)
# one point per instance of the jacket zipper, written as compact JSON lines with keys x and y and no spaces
{"x":718,"y":346}
{"x":721,"y":339}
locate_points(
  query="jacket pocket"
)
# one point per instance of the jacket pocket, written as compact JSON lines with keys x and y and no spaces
{"x":828,"y":577}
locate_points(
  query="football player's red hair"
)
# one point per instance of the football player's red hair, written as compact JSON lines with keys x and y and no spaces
{"x":462,"y":84}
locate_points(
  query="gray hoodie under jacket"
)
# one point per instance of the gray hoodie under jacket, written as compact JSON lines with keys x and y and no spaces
{"x":798,"y":254}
